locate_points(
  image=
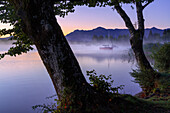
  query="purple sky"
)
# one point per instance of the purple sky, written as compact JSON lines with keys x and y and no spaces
{"x":156,"y":15}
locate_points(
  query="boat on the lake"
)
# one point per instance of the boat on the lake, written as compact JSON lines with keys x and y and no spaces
{"x":106,"y":47}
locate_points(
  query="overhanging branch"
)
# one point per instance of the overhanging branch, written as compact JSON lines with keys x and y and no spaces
{"x":125,"y":17}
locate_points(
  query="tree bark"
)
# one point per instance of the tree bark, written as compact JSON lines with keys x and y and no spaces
{"x":136,"y":41}
{"x":41,"y":26}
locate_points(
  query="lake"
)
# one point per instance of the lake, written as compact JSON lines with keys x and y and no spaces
{"x":24,"y":81}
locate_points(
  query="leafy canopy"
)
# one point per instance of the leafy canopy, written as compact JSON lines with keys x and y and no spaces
{"x":22,"y":43}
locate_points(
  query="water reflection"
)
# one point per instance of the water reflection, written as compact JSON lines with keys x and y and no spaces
{"x":24,"y":81}
{"x":115,"y":64}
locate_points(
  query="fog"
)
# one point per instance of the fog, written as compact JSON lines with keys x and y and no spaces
{"x":119,"y":51}
{"x":22,"y":77}
{"x":81,"y":48}
{"x":118,"y":48}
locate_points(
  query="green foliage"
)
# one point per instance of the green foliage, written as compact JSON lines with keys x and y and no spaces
{"x":164,"y":82}
{"x":22,"y":43}
{"x":46,"y":108}
{"x":162,"y":58}
{"x":162,"y":102}
{"x":7,"y":13}
{"x":151,"y":47}
{"x":166,"y":35}
{"x":102,"y":83}
{"x":145,"y":79}
{"x":154,"y":37}
{"x":133,"y":105}
{"x":123,"y":38}
{"x":101,"y":38}
{"x":62,"y":8}
{"x":98,"y":38}
{"x":103,"y":3}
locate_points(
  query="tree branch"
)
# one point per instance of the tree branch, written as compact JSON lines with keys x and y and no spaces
{"x":125,"y":17}
{"x":140,"y":16}
{"x":143,"y":7}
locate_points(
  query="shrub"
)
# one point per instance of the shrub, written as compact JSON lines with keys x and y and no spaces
{"x":102,"y":83}
{"x":162,"y":58}
{"x":144,"y":78}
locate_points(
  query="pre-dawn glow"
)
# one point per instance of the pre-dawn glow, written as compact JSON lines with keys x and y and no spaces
{"x":85,"y":18}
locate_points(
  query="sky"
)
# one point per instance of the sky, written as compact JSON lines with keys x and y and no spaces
{"x":84,"y":18}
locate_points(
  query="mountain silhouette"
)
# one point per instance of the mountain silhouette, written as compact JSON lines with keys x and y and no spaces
{"x":87,"y":35}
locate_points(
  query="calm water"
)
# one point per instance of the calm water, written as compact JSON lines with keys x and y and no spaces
{"x":24,"y":81}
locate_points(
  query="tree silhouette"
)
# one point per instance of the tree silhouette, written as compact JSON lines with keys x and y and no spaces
{"x":36,"y":24}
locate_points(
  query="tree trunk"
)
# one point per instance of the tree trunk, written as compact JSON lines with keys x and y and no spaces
{"x":40,"y":24}
{"x":136,"y":39}
{"x":137,"y":46}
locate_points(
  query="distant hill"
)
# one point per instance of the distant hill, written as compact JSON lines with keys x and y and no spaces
{"x":87,"y":35}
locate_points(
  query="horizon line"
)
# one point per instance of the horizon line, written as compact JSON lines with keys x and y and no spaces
{"x":99,"y":27}
{"x":112,"y":29}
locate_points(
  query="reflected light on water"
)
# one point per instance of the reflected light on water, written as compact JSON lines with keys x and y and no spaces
{"x":24,"y":81}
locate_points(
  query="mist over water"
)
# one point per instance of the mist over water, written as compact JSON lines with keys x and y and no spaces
{"x":114,"y":62}
{"x":24,"y":81}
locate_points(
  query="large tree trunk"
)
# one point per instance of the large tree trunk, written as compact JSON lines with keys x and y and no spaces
{"x":40,"y":24}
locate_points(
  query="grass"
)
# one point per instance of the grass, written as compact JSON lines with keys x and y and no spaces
{"x":160,"y":102}
{"x":131,"y":104}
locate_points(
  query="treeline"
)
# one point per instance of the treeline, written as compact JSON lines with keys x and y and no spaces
{"x":152,"y":37}
{"x":157,"y":37}
{"x":107,"y":38}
